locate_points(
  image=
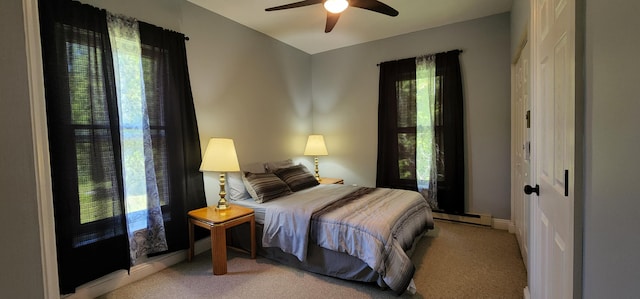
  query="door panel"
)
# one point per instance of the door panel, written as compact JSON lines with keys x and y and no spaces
{"x":552,"y":216}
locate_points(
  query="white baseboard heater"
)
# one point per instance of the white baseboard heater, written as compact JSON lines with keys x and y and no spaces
{"x":479,"y":219}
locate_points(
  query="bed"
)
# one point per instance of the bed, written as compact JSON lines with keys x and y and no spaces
{"x":350,"y":232}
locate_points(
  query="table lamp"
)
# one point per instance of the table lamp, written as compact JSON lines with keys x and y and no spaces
{"x":220,"y":156}
{"x":315,"y":147}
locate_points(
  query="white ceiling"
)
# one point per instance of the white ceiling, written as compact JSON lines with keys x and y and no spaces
{"x":303,"y":27}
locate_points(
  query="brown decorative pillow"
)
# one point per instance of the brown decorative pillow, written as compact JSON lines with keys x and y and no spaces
{"x":297,"y":177}
{"x":265,"y":186}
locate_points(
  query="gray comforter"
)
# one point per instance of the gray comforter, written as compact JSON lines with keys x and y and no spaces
{"x":376,"y":225}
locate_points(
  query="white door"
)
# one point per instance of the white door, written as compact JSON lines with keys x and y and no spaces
{"x":520,"y":142}
{"x":552,"y":218}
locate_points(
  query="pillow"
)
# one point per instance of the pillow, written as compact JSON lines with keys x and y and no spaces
{"x":297,"y":177}
{"x":273,"y":165}
{"x":265,"y":186}
{"x":235,"y":187}
{"x":255,"y":167}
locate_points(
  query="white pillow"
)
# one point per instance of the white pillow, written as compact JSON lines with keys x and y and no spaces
{"x":235,"y":187}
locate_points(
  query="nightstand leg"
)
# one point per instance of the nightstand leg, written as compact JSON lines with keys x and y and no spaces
{"x":219,"y":250}
{"x":253,"y":237}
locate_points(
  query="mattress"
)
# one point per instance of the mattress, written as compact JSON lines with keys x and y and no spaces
{"x":258,"y":208}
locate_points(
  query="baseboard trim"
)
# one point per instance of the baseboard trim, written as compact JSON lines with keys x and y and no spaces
{"x":120,"y":278}
{"x":472,"y":218}
{"x":502,"y":224}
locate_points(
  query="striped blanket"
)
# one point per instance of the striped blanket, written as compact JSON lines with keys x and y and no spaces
{"x":376,"y":225}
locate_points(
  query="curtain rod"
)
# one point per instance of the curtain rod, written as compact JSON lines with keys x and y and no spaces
{"x":460,"y":50}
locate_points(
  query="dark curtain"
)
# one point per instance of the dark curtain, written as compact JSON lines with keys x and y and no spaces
{"x":396,"y":150}
{"x":174,"y":129}
{"x":396,"y":117}
{"x":451,"y":191}
{"x":84,"y":143}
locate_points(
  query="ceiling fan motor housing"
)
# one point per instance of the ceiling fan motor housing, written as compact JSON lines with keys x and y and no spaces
{"x":336,"y":7}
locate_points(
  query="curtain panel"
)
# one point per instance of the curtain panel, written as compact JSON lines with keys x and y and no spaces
{"x":396,"y":117}
{"x":145,"y":223}
{"x":84,"y":143}
{"x":175,"y":134}
{"x":426,"y":144}
{"x":451,"y":191}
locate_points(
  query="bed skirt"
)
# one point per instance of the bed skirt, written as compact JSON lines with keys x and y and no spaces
{"x":319,"y":260}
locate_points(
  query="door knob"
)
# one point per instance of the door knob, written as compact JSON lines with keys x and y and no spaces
{"x":528,"y":189}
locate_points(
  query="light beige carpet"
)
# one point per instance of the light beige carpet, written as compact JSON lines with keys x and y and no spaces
{"x":454,"y":261}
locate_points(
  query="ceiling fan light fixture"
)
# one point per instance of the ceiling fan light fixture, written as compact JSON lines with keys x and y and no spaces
{"x":336,"y":6}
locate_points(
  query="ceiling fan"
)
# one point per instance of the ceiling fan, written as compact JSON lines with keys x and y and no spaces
{"x":336,"y":7}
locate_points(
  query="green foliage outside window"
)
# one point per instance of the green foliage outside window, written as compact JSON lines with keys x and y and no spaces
{"x":91,"y":123}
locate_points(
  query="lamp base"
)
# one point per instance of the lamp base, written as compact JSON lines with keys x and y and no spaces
{"x":317,"y":175}
{"x":222,"y":203}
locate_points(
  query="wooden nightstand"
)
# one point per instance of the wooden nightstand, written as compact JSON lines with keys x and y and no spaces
{"x":329,"y":181}
{"x":217,"y":221}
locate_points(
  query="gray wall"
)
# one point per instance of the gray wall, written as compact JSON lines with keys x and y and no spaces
{"x":20,"y":253}
{"x":612,"y":206}
{"x":345,"y":105}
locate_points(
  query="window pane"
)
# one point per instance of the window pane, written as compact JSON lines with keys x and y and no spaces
{"x":97,"y":186}
{"x":160,"y":162}
{"x":133,"y":162}
{"x":407,"y":155}
{"x":406,"y":91}
{"x":86,"y":86}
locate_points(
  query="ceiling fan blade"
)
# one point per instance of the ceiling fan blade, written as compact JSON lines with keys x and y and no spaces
{"x":332,"y":19}
{"x":295,"y":4}
{"x":374,"y":5}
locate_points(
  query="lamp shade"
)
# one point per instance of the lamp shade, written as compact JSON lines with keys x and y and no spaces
{"x":220,"y":156}
{"x":315,"y":146}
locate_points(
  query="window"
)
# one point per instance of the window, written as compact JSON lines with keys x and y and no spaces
{"x":400,"y":164}
{"x":407,"y":132}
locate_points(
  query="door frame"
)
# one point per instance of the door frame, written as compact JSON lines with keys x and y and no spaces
{"x":579,"y":154}
{"x":518,"y":123}
{"x":44,"y":193}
